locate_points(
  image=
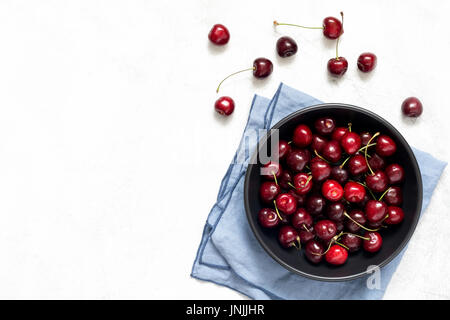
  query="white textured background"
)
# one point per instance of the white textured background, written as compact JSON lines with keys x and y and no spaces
{"x":111,"y":155}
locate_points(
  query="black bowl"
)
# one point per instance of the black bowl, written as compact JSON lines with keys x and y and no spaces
{"x":394,"y":238}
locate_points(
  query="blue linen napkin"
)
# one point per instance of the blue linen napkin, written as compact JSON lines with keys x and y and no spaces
{"x":229,"y":253}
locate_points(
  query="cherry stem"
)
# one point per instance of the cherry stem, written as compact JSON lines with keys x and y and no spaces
{"x":359,"y":225}
{"x":365,"y":186}
{"x":317,"y":154}
{"x":349,"y":127}
{"x":357,"y":235}
{"x":218,"y":87}
{"x":384,"y":193}
{"x":276,"y":23}
{"x":305,"y":227}
{"x":290,"y":142}
{"x":337,"y":41}
{"x":366,"y":146}
{"x":333,"y":240}
{"x":365,"y":152}
{"x":299,"y":244}
{"x":291,"y":185}
{"x":342,"y":245}
{"x":275,"y":178}
{"x":345,"y":161}
{"x":276,"y":209}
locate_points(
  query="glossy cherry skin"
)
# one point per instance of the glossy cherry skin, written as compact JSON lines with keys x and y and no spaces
{"x":286,"y":203}
{"x":358,"y":216}
{"x":395,"y":215}
{"x":268,"y":218}
{"x":270,"y":169}
{"x":284,"y":179}
{"x":332,"y":151}
{"x":339,"y":174}
{"x":301,"y":200}
{"x":302,"y":136}
{"x":268,"y":191}
{"x":262,"y":68}
{"x":393,"y":196}
{"x":351,"y":241}
{"x":351,"y":142}
{"x":337,"y":255}
{"x":318,"y":143}
{"x":302,"y":183}
{"x":219,"y":35}
{"x":301,"y":219}
{"x":385,"y":146}
{"x":320,"y":170}
{"x":325,"y":125}
{"x":337,"y":66}
{"x":332,"y":190}
{"x":286,"y":47}
{"x":357,"y":165}
{"x":376,"y":162}
{"x":395,"y":173}
{"x":325,"y":229}
{"x":374,"y":243}
{"x":339,"y":226}
{"x":306,"y":236}
{"x":338,"y":133}
{"x":283,"y":149}
{"x":365,"y":138}
{"x":377,"y":182}
{"x":288,"y":236}
{"x":335,"y":211}
{"x":224,"y":105}
{"x":314,"y":251}
{"x":375,"y":210}
{"x":412,"y":107}
{"x":332,"y":27}
{"x":354,"y":192}
{"x":367,"y":61}
{"x":297,"y":159}
{"x":315,"y":204}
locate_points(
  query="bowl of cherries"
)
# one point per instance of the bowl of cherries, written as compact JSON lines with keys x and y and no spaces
{"x":342,"y":192}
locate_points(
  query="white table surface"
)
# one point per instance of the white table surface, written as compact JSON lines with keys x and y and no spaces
{"x":111,"y":155}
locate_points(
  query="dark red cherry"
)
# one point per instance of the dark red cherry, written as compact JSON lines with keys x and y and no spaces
{"x":332,"y":27}
{"x":262,"y":68}
{"x":302,"y":183}
{"x":268,"y":218}
{"x":358,"y":216}
{"x":332,"y":190}
{"x":325,"y":229}
{"x":224,"y":105}
{"x":339,"y":174}
{"x":395,"y":173}
{"x":332,"y":151}
{"x":378,"y":181}
{"x":335,"y":211}
{"x":375,"y":210}
{"x":318,"y":143}
{"x":339,"y":226}
{"x":286,"y":47}
{"x":393,"y":196}
{"x":351,"y":241}
{"x":325,"y":125}
{"x":219,"y":35}
{"x":354,"y":192}
{"x":315,"y":204}
{"x":357,"y":165}
{"x":365,"y":138}
{"x":283,"y":149}
{"x":286,"y":203}
{"x":314,"y":251}
{"x":269,"y":191}
{"x":385,"y":146}
{"x":412,"y":107}
{"x":301,"y":200}
{"x":338,"y":133}
{"x":302,"y":136}
{"x":395,"y":215}
{"x":374,"y":243}
{"x":367,"y":61}
{"x":351,"y":142}
{"x":285,"y":179}
{"x":337,"y":255}
{"x":301,"y":219}
{"x":363,"y":202}
{"x":337,"y":66}
{"x":376,"y":162}
{"x":320,"y":170}
{"x":306,"y":236}
{"x":288,"y":237}
{"x":270,"y":170}
{"x":297,"y":159}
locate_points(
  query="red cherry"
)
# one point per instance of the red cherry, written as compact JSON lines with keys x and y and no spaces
{"x":285,"y":179}
{"x":332,"y":190}
{"x":376,"y":162}
{"x":286,"y":47}
{"x":269,"y":191}
{"x":375,"y":210}
{"x":395,"y":173}
{"x":325,"y":229}
{"x":367,"y":62}
{"x":268,"y":218}
{"x":306,"y":236}
{"x":332,"y":151}
{"x":335,"y":211}
{"x":338,"y":133}
{"x":395,"y":215}
{"x":300,"y":199}
{"x":270,"y":169}
{"x":339,"y":174}
{"x":302,"y":136}
{"x":337,"y":66}
{"x":393,"y":196}
{"x":302,"y":183}
{"x":365,"y":138}
{"x":297,"y":159}
{"x":219,"y":35}
{"x":412,"y":107}
{"x":354,"y":192}
{"x":358,"y":216}
{"x":324,"y":125}
{"x":377,"y":182}
{"x":385,"y":146}
{"x":332,"y":27}
{"x":374,"y":243}
{"x":283,"y":149}
{"x":314,"y":251}
{"x":315,"y":204}
{"x":337,"y":255}
{"x":301,"y":219}
{"x":351,"y":142}
{"x":288,"y":236}
{"x":352,"y":242}
{"x":224,"y":106}
{"x":320,"y":170}
{"x":357,"y":165}
{"x":286,"y":203}
{"x":318,"y":143}
{"x":262,"y":68}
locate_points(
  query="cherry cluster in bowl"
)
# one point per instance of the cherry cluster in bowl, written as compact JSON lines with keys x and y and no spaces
{"x":332,"y":191}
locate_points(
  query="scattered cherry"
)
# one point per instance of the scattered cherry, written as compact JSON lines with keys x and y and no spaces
{"x":412,"y":107}
{"x":367,"y":61}
{"x":336,"y":255}
{"x":286,"y":47}
{"x":224,"y":105}
{"x":337,"y":66}
{"x":374,"y":243}
{"x":219,"y":35}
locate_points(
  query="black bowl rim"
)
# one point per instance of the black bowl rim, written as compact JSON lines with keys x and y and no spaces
{"x":415,"y":165}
